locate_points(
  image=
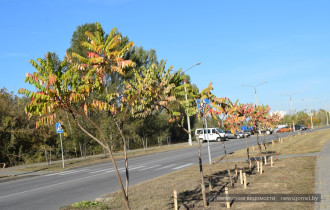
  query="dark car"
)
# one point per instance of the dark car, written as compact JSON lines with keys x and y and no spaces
{"x":300,"y":128}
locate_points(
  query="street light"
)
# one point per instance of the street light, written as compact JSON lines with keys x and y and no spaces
{"x":290,"y":95}
{"x":185,"y":90}
{"x":311,"y":113}
{"x":255,"y":89}
{"x":326,"y":113}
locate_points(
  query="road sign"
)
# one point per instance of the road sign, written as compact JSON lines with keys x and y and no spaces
{"x":59,"y":128}
{"x":201,"y":105}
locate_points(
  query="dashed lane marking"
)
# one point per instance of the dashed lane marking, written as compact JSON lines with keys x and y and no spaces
{"x":182,"y":166}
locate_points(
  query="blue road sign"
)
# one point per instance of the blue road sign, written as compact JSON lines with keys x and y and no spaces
{"x":200,"y":104}
{"x":59,"y":128}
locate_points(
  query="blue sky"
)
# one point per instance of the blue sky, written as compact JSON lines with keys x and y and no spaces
{"x":283,"y":42}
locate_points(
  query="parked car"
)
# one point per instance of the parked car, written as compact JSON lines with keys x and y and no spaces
{"x":241,"y":135}
{"x":230,"y":135}
{"x":300,"y":128}
{"x":279,"y":127}
{"x":249,"y":129}
{"x":282,"y":130}
{"x":211,"y":134}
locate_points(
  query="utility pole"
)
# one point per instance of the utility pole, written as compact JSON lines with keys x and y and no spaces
{"x":203,"y":107}
{"x":290,"y":95}
{"x":255,"y":90}
{"x":311,"y":119}
{"x":186,"y":97}
{"x":326,"y":113}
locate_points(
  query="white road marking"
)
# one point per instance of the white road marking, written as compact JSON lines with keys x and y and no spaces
{"x":104,"y":170}
{"x":165,"y":167}
{"x":182,"y":166}
{"x":149,"y":167}
{"x":119,"y":169}
{"x":67,"y":172}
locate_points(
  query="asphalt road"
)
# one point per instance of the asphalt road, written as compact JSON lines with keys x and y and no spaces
{"x":55,"y":190}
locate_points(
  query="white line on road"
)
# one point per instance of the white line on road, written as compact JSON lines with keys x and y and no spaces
{"x":183,"y":166}
{"x":67,"y":172}
{"x":119,"y":169}
{"x":149,"y":167}
{"x":165,"y":167}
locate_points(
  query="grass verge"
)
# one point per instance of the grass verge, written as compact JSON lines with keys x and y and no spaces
{"x":298,"y":144}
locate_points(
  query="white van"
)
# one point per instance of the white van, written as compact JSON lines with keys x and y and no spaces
{"x":211,"y":134}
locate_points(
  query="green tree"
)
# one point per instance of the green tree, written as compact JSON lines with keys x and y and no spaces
{"x":79,"y":37}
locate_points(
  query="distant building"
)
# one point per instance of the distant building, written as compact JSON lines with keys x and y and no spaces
{"x":280,"y":113}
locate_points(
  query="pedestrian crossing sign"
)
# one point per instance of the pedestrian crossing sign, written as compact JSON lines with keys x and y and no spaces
{"x":59,"y":128}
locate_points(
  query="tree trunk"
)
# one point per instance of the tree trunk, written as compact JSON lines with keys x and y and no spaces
{"x":202,"y":174}
{"x":50,"y":156}
{"x":119,"y":178}
{"x":247,"y":147}
{"x":46,"y":156}
{"x":75,"y":150}
{"x":264,"y":143}
{"x":81,"y":152}
{"x":85,"y":149}
{"x":103,"y":143}
{"x":258,"y":142}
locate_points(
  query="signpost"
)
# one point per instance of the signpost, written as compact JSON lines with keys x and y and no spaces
{"x":59,"y":130}
{"x":201,"y":105}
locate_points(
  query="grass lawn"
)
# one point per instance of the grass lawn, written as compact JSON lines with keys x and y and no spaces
{"x":298,"y":144}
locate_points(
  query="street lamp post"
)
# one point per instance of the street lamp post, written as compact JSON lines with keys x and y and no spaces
{"x":310,"y":113}
{"x":326,"y":113}
{"x":255,"y":90}
{"x":185,"y":90}
{"x":290,"y":95}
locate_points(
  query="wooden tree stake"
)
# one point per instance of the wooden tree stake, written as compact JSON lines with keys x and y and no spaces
{"x":244,"y":177}
{"x":261,"y":167}
{"x":175,"y":195}
{"x":240,"y":176}
{"x":227,"y":201}
{"x":236,"y":170}
{"x":258,"y":166}
{"x":265,"y":160}
{"x":271,"y":161}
